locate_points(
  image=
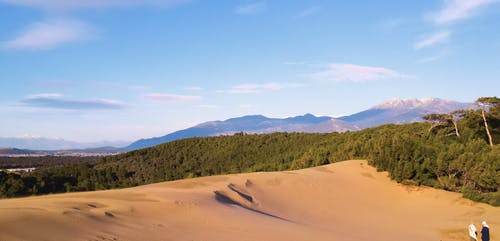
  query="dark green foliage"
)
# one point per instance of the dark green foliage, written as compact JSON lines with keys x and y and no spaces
{"x":42,"y":161}
{"x":410,"y":153}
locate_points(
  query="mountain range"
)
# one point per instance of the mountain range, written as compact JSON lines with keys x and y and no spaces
{"x":98,"y":151}
{"x":53,"y":144}
{"x":397,"y":111}
{"x":248,"y":124}
{"x":401,"y":111}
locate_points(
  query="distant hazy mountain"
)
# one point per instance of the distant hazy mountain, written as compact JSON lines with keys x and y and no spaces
{"x":400,"y":111}
{"x":42,"y":143}
{"x":66,"y":152}
{"x":248,"y":124}
{"x":397,"y":111}
{"x":332,"y":125}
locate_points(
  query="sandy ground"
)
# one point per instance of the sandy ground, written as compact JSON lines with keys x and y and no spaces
{"x":345,"y":201}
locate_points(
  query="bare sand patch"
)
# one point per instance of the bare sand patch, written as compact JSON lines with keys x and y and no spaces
{"x":346,"y":201}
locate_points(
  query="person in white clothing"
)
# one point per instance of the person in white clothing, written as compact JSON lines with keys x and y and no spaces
{"x":472,"y":232}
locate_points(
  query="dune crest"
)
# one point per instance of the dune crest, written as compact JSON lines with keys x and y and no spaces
{"x":346,"y":201}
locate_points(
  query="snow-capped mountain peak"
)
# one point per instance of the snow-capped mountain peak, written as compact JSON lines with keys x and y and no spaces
{"x":398,"y":103}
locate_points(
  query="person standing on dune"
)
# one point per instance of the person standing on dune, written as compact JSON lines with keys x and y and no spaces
{"x":472,"y":232}
{"x":485,"y":232}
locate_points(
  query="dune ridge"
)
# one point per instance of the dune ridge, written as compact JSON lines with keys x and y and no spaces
{"x":346,"y":201}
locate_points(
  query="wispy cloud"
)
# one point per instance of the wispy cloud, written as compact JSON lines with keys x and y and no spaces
{"x":50,"y":34}
{"x":433,"y":39}
{"x":251,"y":8}
{"x":455,"y":10}
{"x":257,"y":88}
{"x":79,"y":4}
{"x":435,"y":57}
{"x":58,"y":101}
{"x":310,"y":11}
{"x":429,"y":59}
{"x":53,"y":33}
{"x":171,"y":97}
{"x":356,"y":73}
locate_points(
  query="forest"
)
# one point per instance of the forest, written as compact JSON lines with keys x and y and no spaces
{"x":456,"y":151}
{"x":7,"y":162}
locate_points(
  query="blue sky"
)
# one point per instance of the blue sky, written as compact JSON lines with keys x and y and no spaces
{"x":90,"y":70}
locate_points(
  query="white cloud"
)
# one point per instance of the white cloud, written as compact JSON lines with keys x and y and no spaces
{"x":79,"y":4}
{"x":310,"y":11}
{"x":171,"y":97}
{"x":455,"y":10}
{"x":435,"y":57}
{"x":452,"y":11}
{"x":50,"y":34}
{"x":257,"y":88}
{"x":31,"y":136}
{"x":44,"y":95}
{"x":349,"y":72}
{"x":249,"y":9}
{"x":433,"y":39}
{"x":58,"y":101}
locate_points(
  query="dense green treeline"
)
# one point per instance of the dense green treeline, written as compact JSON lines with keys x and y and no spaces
{"x":7,"y":162}
{"x":186,"y":158}
{"x":450,"y":152}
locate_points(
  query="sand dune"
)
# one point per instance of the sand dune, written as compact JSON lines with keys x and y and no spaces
{"x":345,"y":201}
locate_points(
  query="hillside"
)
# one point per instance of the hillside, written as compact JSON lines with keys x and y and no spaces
{"x":396,"y":111}
{"x":401,"y":111}
{"x":348,"y":201}
{"x":249,"y":124}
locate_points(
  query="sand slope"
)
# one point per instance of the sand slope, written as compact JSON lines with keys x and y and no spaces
{"x":345,"y":201}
